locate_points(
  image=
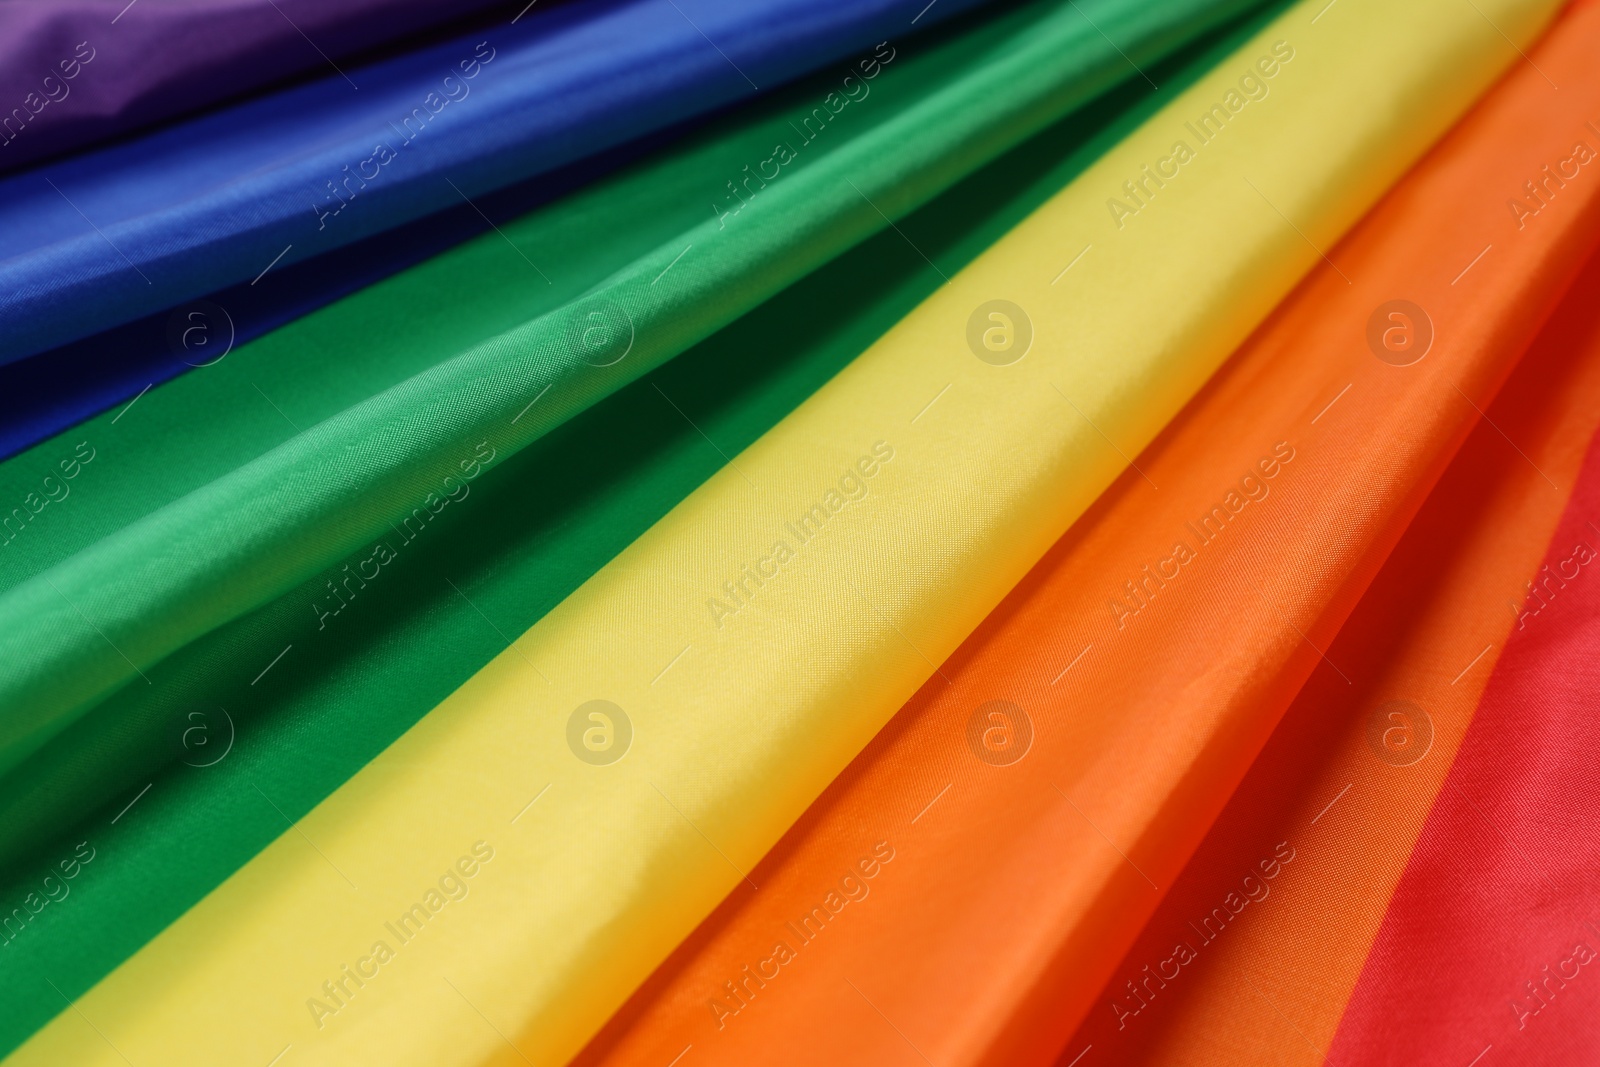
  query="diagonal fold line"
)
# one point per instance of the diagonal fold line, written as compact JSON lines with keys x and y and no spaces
{"x":1106,"y":839}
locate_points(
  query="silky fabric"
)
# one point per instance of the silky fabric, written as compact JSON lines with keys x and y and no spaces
{"x":1274,"y":987}
{"x":1076,"y":748}
{"x":525,"y":358}
{"x":1493,"y":926}
{"x":685,"y":788}
{"x":261,"y":719}
{"x":225,"y":197}
{"x":1347,"y":779}
{"x":52,"y":391}
{"x":77,"y":71}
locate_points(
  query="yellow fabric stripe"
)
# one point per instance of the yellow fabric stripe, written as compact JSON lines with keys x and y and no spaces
{"x":934,"y":471}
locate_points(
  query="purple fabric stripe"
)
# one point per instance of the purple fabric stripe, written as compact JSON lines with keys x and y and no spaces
{"x":73,"y":72}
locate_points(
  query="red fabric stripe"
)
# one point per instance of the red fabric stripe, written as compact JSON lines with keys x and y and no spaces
{"x":1491,"y":945}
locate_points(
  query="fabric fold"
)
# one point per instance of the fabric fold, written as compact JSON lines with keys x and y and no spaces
{"x":158,"y":578}
{"x":616,"y":738}
{"x":143,"y":63}
{"x":262,"y":718}
{"x":52,"y":391}
{"x":1347,"y":779}
{"x":1501,"y":882}
{"x":223,"y":198}
{"x":1076,"y":749}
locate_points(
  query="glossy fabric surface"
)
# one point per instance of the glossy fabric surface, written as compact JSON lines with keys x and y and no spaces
{"x":224,"y":197}
{"x":1350,"y":777}
{"x":1127,"y":684}
{"x":73,"y":72}
{"x":1347,"y":780}
{"x":200,"y":561}
{"x":602,"y":876}
{"x":1493,"y":925}
{"x":50,"y":392}
{"x":313,"y":699}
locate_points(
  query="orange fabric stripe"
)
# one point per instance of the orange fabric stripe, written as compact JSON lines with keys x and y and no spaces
{"x":941,"y":898}
{"x":1272,"y":986}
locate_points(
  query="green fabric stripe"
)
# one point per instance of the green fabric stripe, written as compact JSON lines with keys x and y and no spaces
{"x":542,"y":519}
{"x":653,"y":263}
